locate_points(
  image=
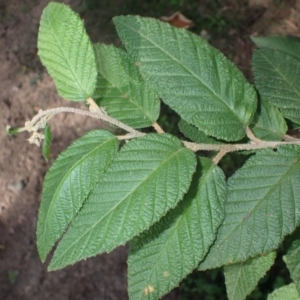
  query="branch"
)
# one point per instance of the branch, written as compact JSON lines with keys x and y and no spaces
{"x":289,"y":138}
{"x":237,"y":147}
{"x":40,"y":120}
{"x":46,"y":115}
{"x":94,"y":114}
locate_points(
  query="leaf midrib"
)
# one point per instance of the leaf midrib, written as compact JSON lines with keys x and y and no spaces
{"x":275,"y":185}
{"x":188,"y":71}
{"x":54,"y":198}
{"x":115,"y":85}
{"x":119,"y":203}
{"x":54,"y":34}
{"x":173,"y":231}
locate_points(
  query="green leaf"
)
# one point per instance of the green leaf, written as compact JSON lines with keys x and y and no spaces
{"x":162,"y":256}
{"x":276,"y":78}
{"x":288,"y":45}
{"x":241,"y":279}
{"x":287,"y":292}
{"x":292,"y":260}
{"x":69,"y":182}
{"x":193,"y":78}
{"x":263,"y":206}
{"x":47,"y":143}
{"x":196,"y":135}
{"x":268,"y":123}
{"x":66,"y":52}
{"x":146,"y":179}
{"x":12,"y":130}
{"x":121,"y":90}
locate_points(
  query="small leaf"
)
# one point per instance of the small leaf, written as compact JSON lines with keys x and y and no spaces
{"x":276,"y":78}
{"x":292,"y":260}
{"x":288,"y":45}
{"x":196,"y":135}
{"x":67,"y":53}
{"x":68,"y":183}
{"x":193,"y":78}
{"x":262,"y":207}
{"x":12,"y":130}
{"x":121,"y":90}
{"x":162,"y":256}
{"x":47,"y":143}
{"x":146,"y":179}
{"x":268,"y":123}
{"x":241,"y":279}
{"x":286,"y":292}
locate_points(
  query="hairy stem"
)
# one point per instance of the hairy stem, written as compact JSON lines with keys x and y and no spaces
{"x":252,"y":137}
{"x":157,"y":128}
{"x":237,"y":147}
{"x":219,"y":156}
{"x":93,"y":114}
{"x":40,"y":120}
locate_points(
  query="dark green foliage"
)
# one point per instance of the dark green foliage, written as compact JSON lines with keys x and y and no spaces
{"x":170,"y":203}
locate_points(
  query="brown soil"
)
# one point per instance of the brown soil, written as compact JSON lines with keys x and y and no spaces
{"x":26,"y":88}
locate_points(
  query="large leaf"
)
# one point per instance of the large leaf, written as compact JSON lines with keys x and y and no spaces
{"x":241,"y":279}
{"x":146,"y":179}
{"x":286,"y":292}
{"x":68,"y":183}
{"x":263,"y":206}
{"x":162,"y":256}
{"x":276,"y":77}
{"x":268,"y":123}
{"x":292,"y":260}
{"x":121,"y":90}
{"x":196,"y":135}
{"x":288,"y":45}
{"x":67,"y":53}
{"x":193,"y":78}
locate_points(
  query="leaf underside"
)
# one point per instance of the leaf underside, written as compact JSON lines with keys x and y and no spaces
{"x":121,"y":90}
{"x":193,"y":78}
{"x":276,"y":78}
{"x":162,"y":256}
{"x":268,"y":123}
{"x":68,"y":183}
{"x":66,"y":52}
{"x":146,"y":179}
{"x":263,"y":206}
{"x":241,"y":279}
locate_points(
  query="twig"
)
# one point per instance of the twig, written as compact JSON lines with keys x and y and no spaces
{"x":129,"y":136}
{"x":252,"y":137}
{"x":157,"y":128}
{"x":289,"y":138}
{"x":94,"y":114}
{"x":237,"y":147}
{"x":219,"y":156}
{"x":40,"y":120}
